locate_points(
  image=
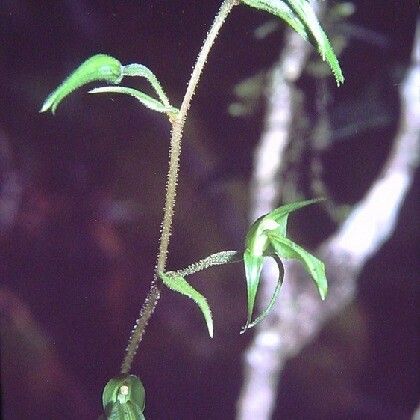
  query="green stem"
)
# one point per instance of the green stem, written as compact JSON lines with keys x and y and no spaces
{"x":174,"y":155}
{"x":177,"y":129}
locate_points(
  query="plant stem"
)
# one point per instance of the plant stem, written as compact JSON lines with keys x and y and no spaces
{"x":140,"y":326}
{"x":177,"y":129}
{"x":172,"y":180}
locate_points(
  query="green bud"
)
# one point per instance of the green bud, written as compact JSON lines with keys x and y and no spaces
{"x":123,"y":398}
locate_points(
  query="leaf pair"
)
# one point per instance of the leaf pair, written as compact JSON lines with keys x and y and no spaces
{"x":301,"y":17}
{"x":267,"y":238}
{"x":102,"y":67}
{"x":123,"y":398}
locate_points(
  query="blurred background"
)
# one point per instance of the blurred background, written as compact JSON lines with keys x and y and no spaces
{"x":81,"y":197}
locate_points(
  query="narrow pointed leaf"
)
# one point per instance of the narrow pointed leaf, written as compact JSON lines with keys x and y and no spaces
{"x":280,"y":215}
{"x":180,"y":285}
{"x":305,"y":11}
{"x":300,"y":15}
{"x":146,"y":100}
{"x":273,"y":300}
{"x":253,"y":266}
{"x":143,"y":71}
{"x":285,"y":248}
{"x":282,"y":10}
{"x":100,"y":67}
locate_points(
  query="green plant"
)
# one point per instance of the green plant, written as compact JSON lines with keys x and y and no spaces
{"x":123,"y":396}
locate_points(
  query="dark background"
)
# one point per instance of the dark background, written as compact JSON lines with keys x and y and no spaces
{"x":82,"y":195}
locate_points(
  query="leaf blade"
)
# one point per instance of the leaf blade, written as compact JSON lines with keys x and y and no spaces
{"x":285,"y":248}
{"x":179,"y":284}
{"x":145,"y":99}
{"x":282,"y":10}
{"x":306,"y":13}
{"x":253,"y":266}
{"x":300,"y":15}
{"x":100,"y":67}
{"x":270,"y":305}
{"x":280,"y":215}
{"x":143,"y":71}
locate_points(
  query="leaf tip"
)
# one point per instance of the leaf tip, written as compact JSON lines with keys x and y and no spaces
{"x":96,"y":90}
{"x":210,"y":328}
{"x":178,"y":284}
{"x":245,"y":328}
{"x":48,"y":105}
{"x":206,"y":311}
{"x":323,"y":291}
{"x":339,"y":80}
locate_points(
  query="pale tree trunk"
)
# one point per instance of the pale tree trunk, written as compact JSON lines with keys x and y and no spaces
{"x":300,"y":314}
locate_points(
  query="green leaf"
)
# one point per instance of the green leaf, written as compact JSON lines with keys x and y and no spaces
{"x":282,"y":10}
{"x":146,"y":100}
{"x":285,"y":248}
{"x":127,"y":411}
{"x":273,"y":299}
{"x":123,"y":398}
{"x":301,"y":17}
{"x":142,"y":71}
{"x":253,"y":266}
{"x":257,"y":243}
{"x":267,"y":238}
{"x":280,"y":215}
{"x":179,"y":284}
{"x":305,"y":11}
{"x":100,"y":67}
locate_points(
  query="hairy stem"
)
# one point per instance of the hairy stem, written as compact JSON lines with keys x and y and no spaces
{"x":177,"y":129}
{"x":140,"y":327}
{"x":172,"y":180}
